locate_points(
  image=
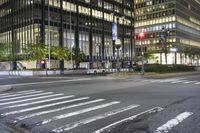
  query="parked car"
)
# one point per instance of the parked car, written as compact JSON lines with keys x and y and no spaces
{"x":96,"y":71}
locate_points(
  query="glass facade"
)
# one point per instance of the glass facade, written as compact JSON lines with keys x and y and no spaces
{"x":86,"y":24}
{"x":180,"y":18}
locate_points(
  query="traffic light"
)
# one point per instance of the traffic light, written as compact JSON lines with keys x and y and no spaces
{"x":42,"y":64}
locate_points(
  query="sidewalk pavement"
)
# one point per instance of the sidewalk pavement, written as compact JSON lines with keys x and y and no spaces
{"x":4,"y":129}
{"x":11,"y":129}
{"x":5,"y":88}
{"x":151,"y":74}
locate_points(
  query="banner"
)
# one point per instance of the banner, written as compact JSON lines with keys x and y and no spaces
{"x":114,"y":31}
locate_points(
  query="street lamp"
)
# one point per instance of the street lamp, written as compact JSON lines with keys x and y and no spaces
{"x":141,"y":36}
{"x":49,"y":44}
{"x":70,"y":30}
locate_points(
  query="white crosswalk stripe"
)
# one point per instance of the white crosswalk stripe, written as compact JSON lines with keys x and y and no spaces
{"x":167,"y":80}
{"x":15,"y":98}
{"x":41,"y":101}
{"x":77,"y":112}
{"x":189,"y":82}
{"x":30,"y":99}
{"x":26,"y":96}
{"x":38,"y":109}
{"x":179,"y":81}
{"x":156,"y":80}
{"x":14,"y":95}
{"x":170,"y":80}
{"x":173,"y":122}
{"x":89,"y":120}
{"x":42,"y":106}
{"x":59,"y":109}
{"x":18,"y":92}
{"x":197,"y":83}
{"x":156,"y":109}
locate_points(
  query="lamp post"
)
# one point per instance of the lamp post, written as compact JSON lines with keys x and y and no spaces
{"x":49,"y":44}
{"x":116,"y":41}
{"x":70,"y":30}
{"x":141,"y":36}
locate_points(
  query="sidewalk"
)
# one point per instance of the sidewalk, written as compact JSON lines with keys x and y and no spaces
{"x":5,"y":88}
{"x":151,"y":74}
{"x":11,"y":129}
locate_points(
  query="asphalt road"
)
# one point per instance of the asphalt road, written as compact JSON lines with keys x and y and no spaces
{"x":84,"y":104}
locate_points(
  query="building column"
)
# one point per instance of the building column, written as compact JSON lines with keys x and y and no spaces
{"x":42,"y":25}
{"x":132,"y":37}
{"x":61,"y":35}
{"x":14,"y":63}
{"x":90,"y":40}
{"x":103,"y":35}
{"x":77,"y":63}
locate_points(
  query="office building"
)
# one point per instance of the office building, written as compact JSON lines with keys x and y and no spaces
{"x":86,"y":24}
{"x":174,"y":24}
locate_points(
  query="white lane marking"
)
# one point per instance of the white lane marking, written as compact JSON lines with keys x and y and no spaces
{"x":95,"y":118}
{"x":43,"y":106}
{"x":16,"y":92}
{"x":14,"y":95}
{"x":50,"y":82}
{"x":41,"y":101}
{"x":189,"y":82}
{"x":197,"y":83}
{"x":55,"y":110}
{"x":129,"y":79}
{"x":27,"y":96}
{"x":156,"y":109}
{"x":147,"y":80}
{"x":30,"y":99}
{"x":168,"y":80}
{"x":155,"y":80}
{"x":173,"y":122}
{"x":179,"y":81}
{"x":54,"y":118}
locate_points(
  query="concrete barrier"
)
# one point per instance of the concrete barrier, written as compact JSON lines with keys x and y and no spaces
{"x":197,"y":68}
{"x":50,"y":72}
{"x":4,"y":73}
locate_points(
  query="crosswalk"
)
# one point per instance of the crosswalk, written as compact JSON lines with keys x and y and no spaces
{"x":58,"y":112}
{"x":169,"y":80}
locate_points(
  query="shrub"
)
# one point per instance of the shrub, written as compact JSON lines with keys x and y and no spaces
{"x":164,"y":68}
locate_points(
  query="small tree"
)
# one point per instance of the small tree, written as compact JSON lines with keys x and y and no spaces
{"x":150,"y":56}
{"x":60,"y":53}
{"x":36,"y":52}
{"x":78,"y":56}
{"x":2,"y":50}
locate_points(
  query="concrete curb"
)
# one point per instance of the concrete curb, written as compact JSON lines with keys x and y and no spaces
{"x":169,"y":75}
{"x":5,"y":88}
{"x":151,"y":75}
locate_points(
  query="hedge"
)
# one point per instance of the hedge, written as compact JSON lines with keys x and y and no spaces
{"x":165,"y":68}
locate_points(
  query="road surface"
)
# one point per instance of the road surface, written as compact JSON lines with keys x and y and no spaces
{"x":101,"y":104}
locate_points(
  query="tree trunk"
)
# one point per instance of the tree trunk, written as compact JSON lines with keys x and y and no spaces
{"x":160,"y":58}
{"x":181,"y":58}
{"x":166,"y":58}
